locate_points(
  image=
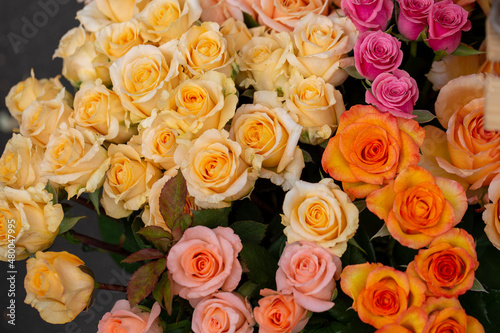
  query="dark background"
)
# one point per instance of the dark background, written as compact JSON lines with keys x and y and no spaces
{"x":29,"y":35}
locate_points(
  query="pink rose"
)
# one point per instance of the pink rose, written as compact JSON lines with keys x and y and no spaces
{"x":204,"y":261}
{"x":122,"y":318}
{"x":308,"y":271}
{"x":368,"y":14}
{"x":446,"y":23}
{"x":395,"y":93}
{"x":222,"y":312}
{"x":412,"y":19}
{"x":377,"y":52}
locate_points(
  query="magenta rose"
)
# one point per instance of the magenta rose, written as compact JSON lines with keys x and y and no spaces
{"x":308,"y":271}
{"x":204,"y":261}
{"x":377,"y":52}
{"x":446,"y":22}
{"x":395,"y":93}
{"x":412,"y":19}
{"x":368,"y":14}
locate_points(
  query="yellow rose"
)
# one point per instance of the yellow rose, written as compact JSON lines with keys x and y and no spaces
{"x":117,"y":38}
{"x":57,"y":287}
{"x":29,"y":220}
{"x":316,"y":104}
{"x":198,"y":104}
{"x":128,"y":181}
{"x":322,"y":44}
{"x":25,"y":92}
{"x":263,"y":61}
{"x":75,"y":160}
{"x":321,"y":213}
{"x":99,"y":110}
{"x":236,"y":33}
{"x":100,"y":13}
{"x":143,"y":77}
{"x":204,"y":48}
{"x":19,"y":163}
{"x":214,"y":170}
{"x":42,"y":118}
{"x":165,"y":20}
{"x":269,"y":137}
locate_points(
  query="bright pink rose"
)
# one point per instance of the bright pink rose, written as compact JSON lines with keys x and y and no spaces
{"x":395,"y":93}
{"x":377,"y":52}
{"x":446,"y":23}
{"x":368,"y":14}
{"x":122,"y":318}
{"x":308,"y":271}
{"x":412,"y":19}
{"x":204,"y":261}
{"x":222,"y":312}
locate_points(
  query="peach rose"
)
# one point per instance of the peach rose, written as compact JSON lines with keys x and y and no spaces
{"x":279,"y":313}
{"x":100,"y":13}
{"x":417,"y":207}
{"x":221,"y":10}
{"x":319,"y":213}
{"x":451,"y":67}
{"x":370,"y":149}
{"x":204,"y":261}
{"x":128,"y":181}
{"x":491,"y":215}
{"x":56,"y":286}
{"x":412,"y":320}
{"x":447,"y":315}
{"x":116,"y":39}
{"x":448,"y":265}
{"x":76,"y":160}
{"x":122,"y":318}
{"x":223,"y":312}
{"x":282,"y":15}
{"x":381,"y":293}
{"x":214,"y":169}
{"x":308,"y":271}
{"x":29,"y":219}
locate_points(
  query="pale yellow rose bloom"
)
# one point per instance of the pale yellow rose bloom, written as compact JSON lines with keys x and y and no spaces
{"x":165,"y":20}
{"x":76,"y":160}
{"x":236,"y":32}
{"x":57,"y":287}
{"x":214,"y":169}
{"x":19,"y":163}
{"x":100,"y":13}
{"x":321,"y":46}
{"x":29,"y":220}
{"x":99,"y":110}
{"x":116,"y":39}
{"x":321,"y":213}
{"x":128,"y":181}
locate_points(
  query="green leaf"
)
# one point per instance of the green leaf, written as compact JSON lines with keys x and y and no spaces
{"x":249,"y":21}
{"x":137,"y":225}
{"x":52,"y":191}
{"x":248,"y":93}
{"x":144,"y":254}
{"x":162,"y":293}
{"x":69,"y":222}
{"x":466,"y":50}
{"x":211,"y":218}
{"x":440,"y":54}
{"x":249,"y":231}
{"x":184,"y":221}
{"x":382,"y":232}
{"x":352,"y":71}
{"x":144,"y":280}
{"x":260,"y":264}
{"x":353,"y":242}
{"x":94,"y":198}
{"x":248,"y":289}
{"x":360,"y":205}
{"x":153,"y":233}
{"x":307,"y":157}
{"x":477,"y":286}
{"x":173,"y":199}
{"x":423,"y":116}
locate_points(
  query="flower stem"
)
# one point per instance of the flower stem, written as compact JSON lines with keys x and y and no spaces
{"x":85,"y":203}
{"x":99,"y":244}
{"x":112,"y":287}
{"x":413,"y":48}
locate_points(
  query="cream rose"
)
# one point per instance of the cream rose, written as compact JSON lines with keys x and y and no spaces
{"x":99,"y":110}
{"x":263,"y":61}
{"x":116,"y":39}
{"x":76,"y":160}
{"x":198,"y":104}
{"x":100,"y":13}
{"x":143,"y":77}
{"x":19,"y":163}
{"x":214,"y":169}
{"x":25,"y":92}
{"x":33,"y":218}
{"x":57,"y":287}
{"x":128,"y":181}
{"x":321,"y":47}
{"x":42,"y":118}
{"x":204,"y":48}
{"x":316,"y":104}
{"x":236,"y":33}
{"x":269,"y":137}
{"x":165,"y":20}
{"x":320,"y":213}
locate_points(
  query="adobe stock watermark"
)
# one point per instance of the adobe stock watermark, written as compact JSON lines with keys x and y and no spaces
{"x":31,"y":27}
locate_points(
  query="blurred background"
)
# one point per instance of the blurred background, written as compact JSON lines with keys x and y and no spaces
{"x":29,"y":34}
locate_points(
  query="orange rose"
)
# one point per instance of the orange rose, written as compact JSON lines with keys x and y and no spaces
{"x":380,"y":293}
{"x":371,"y":148}
{"x":491,"y":215}
{"x":412,"y":320}
{"x":447,"y":315}
{"x":417,"y":207}
{"x":448,"y":265}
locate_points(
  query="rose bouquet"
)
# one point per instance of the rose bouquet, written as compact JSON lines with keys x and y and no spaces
{"x":266,"y":166}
